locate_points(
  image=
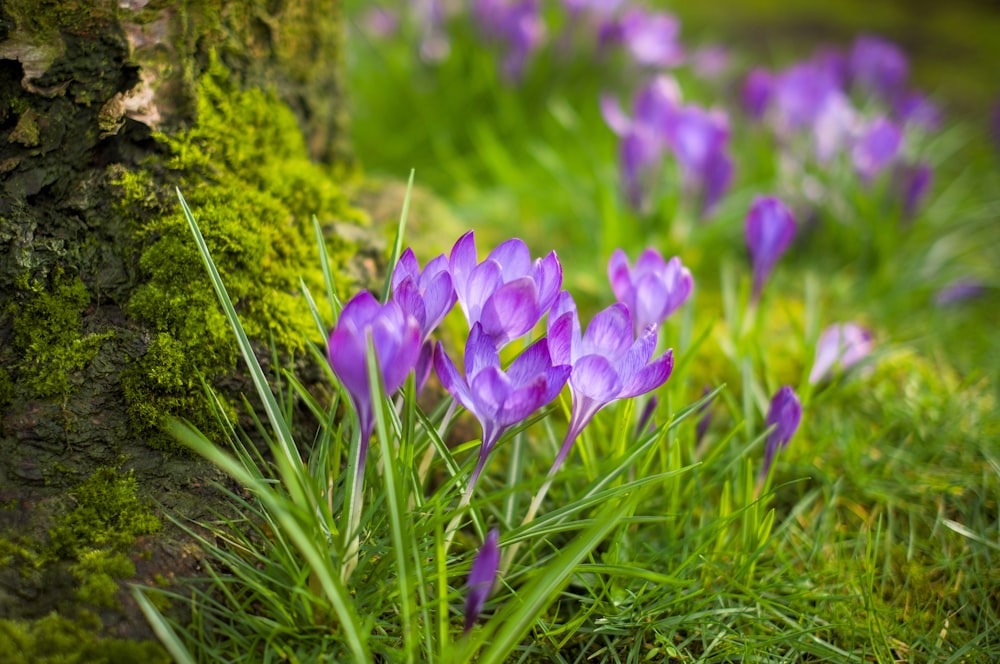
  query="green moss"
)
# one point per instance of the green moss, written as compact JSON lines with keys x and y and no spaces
{"x":98,"y":572}
{"x":246,"y":174}
{"x":55,"y":639}
{"x":48,"y":337}
{"x":108,"y":514}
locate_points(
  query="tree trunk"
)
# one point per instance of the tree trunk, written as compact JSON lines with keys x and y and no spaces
{"x":107,"y":323}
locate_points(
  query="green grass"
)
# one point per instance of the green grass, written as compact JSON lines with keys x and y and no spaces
{"x":876,"y":536}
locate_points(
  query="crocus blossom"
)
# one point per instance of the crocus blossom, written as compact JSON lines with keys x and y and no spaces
{"x":644,"y":136}
{"x":698,"y":139}
{"x":877,"y":148}
{"x":959,"y":291}
{"x":758,"y":89}
{"x":508,"y":293}
{"x":840,"y":345}
{"x":395,"y":335}
{"x":428,"y":295}
{"x":652,"y":290}
{"x":651,"y":38}
{"x":770,"y":228}
{"x":500,"y":399}
{"x":878,"y":66}
{"x":608,"y":362}
{"x":482,"y":576}
{"x":517,"y":24}
{"x":784,"y":414}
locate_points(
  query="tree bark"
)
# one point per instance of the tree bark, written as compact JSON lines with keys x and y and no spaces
{"x":106,"y":321}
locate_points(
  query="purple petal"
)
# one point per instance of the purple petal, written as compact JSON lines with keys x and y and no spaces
{"x":770,"y":228}
{"x":483,"y":281}
{"x":439,"y":298}
{"x":513,"y":257}
{"x":650,"y":377}
{"x":619,"y":274}
{"x":651,"y":300}
{"x":784,"y":414}
{"x":451,"y":380}
{"x":548,"y":279}
{"x":511,"y":311}
{"x":563,"y":335}
{"x":491,"y":389}
{"x":595,"y":378}
{"x":611,"y":111}
{"x":530,"y":364}
{"x":407,"y":296}
{"x":845,"y":344}
{"x":407,"y":266}
{"x":523,"y":401}
{"x":757,"y":90}
{"x":638,"y":355}
{"x":877,"y":148}
{"x":609,"y":333}
{"x":480,"y":352}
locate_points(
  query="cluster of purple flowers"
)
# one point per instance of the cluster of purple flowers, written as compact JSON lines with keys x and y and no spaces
{"x":826,"y":98}
{"x":697,"y":138}
{"x":503,"y":298}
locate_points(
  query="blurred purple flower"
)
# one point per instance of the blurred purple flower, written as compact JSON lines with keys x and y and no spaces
{"x":699,"y":140}
{"x":482,"y":576}
{"x":959,"y":291}
{"x":601,"y":8}
{"x":840,"y":345}
{"x":431,"y":15}
{"x":914,"y":108}
{"x":395,"y":335}
{"x":507,"y":293}
{"x":834,"y":127}
{"x":653,"y":289}
{"x":427,"y":295}
{"x":710,"y":62}
{"x":644,"y":136}
{"x":800,"y":94}
{"x":517,"y":24}
{"x":497,"y":398}
{"x":608,"y":362}
{"x":651,"y":37}
{"x":877,"y":147}
{"x":770,"y":228}
{"x":758,"y":88}
{"x":878,"y":67}
{"x":784,"y":415}
{"x":380,"y":22}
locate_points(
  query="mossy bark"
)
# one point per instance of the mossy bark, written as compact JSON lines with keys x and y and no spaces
{"x":107,"y":325}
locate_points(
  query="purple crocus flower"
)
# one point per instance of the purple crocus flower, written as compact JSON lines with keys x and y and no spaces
{"x":784,"y":415}
{"x":497,"y":398}
{"x":770,"y":228}
{"x":877,"y":148}
{"x":608,"y":362}
{"x":507,"y":294}
{"x":644,"y":137}
{"x":758,"y":88}
{"x":878,"y":66}
{"x":482,"y":576}
{"x":395,"y":335}
{"x":914,"y":108}
{"x":699,"y":139}
{"x":431,"y":15}
{"x":800,"y":92}
{"x":834,"y":127}
{"x":651,"y":37}
{"x":653,"y":289}
{"x":427,"y":295}
{"x":840,"y":345}
{"x":518,"y":24}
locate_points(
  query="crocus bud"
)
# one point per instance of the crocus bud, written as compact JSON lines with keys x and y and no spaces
{"x":784,"y":415}
{"x":481,"y":578}
{"x":770,"y":228}
{"x":843,"y":345}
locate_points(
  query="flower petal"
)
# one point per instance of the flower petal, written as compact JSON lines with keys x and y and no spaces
{"x":609,"y":333}
{"x":511,"y":311}
{"x":513,"y":257}
{"x":650,"y":377}
{"x":595,"y":377}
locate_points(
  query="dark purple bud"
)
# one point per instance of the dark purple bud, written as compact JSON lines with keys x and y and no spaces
{"x":784,"y":415}
{"x":482,"y":576}
{"x":959,"y":291}
{"x":914,"y":108}
{"x":914,"y":183}
{"x":770,"y":228}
